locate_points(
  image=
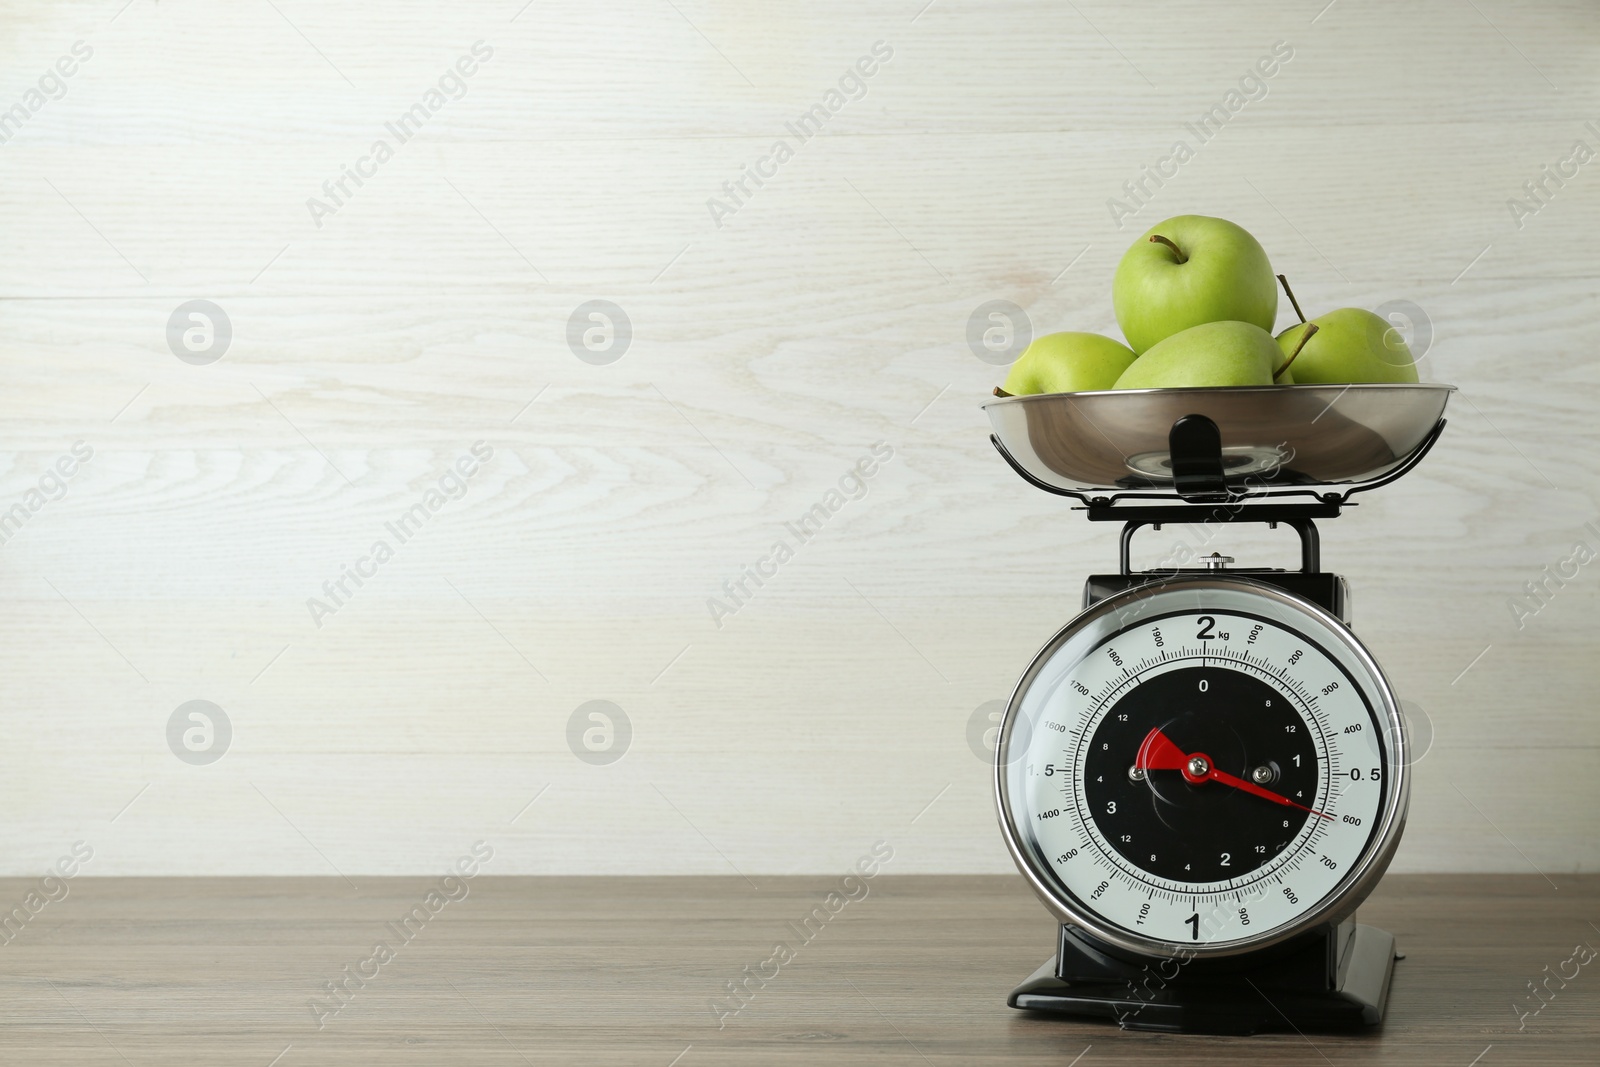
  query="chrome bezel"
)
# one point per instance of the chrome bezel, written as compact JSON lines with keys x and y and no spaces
{"x":1358,"y":881}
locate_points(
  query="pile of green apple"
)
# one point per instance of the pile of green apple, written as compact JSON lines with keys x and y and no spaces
{"x":1196,"y":299}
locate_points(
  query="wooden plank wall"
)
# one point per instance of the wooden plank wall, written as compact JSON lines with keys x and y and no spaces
{"x":376,"y":338}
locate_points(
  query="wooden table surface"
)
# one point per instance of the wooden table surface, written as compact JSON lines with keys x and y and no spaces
{"x":623,"y":971}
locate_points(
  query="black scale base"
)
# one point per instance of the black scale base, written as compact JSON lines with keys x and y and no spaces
{"x":1333,"y":979}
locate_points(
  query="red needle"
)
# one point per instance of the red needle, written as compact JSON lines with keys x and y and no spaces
{"x":1158,"y":753}
{"x":1267,"y":794}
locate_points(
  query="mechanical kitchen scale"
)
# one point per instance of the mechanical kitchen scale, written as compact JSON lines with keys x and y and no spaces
{"x":1205,"y":772}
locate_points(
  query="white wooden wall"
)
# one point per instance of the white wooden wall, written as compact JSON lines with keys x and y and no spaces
{"x":768,"y":354}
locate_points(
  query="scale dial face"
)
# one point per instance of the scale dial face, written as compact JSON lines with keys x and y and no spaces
{"x":1203,"y":766}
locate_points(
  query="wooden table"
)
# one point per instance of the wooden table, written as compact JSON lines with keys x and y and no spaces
{"x":624,"y":971}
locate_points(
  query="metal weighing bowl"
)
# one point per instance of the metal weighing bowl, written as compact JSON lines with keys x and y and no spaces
{"x":1272,"y":435}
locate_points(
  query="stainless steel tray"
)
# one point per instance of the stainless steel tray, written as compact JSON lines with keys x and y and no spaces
{"x":1272,"y":435}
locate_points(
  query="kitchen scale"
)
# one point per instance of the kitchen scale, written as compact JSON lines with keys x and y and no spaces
{"x":1205,"y":773}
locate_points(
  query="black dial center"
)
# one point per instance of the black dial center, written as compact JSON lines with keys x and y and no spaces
{"x":1175,"y":828}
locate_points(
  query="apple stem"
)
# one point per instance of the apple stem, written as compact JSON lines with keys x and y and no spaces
{"x":1311,"y":328}
{"x":1285,"y":283}
{"x":1001,"y":392}
{"x":1160,"y":240}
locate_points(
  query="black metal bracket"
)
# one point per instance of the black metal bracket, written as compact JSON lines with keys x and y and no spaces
{"x":1195,"y":445}
{"x":1310,"y":540}
{"x":1198,"y":480}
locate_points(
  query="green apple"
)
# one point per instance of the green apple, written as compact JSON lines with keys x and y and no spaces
{"x":1211,"y":354}
{"x":1351,"y":345}
{"x":1189,"y":270}
{"x":1068,"y":363}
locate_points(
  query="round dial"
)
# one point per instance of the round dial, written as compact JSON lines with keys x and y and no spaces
{"x":1209,"y":765}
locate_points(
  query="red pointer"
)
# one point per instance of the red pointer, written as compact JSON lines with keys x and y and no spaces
{"x":1158,"y":753}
